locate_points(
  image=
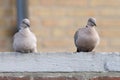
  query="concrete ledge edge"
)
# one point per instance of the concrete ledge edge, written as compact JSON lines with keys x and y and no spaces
{"x":60,"y":62}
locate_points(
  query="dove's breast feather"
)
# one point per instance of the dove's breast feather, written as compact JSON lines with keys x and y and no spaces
{"x":86,"y":38}
{"x":24,"y":40}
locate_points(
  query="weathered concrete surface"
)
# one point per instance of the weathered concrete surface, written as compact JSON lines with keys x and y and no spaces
{"x":59,"y":62}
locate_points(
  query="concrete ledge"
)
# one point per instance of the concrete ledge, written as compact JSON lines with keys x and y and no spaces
{"x":60,"y":62}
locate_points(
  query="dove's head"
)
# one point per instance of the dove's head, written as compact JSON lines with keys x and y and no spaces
{"x":25,"y":23}
{"x":91,"y":22}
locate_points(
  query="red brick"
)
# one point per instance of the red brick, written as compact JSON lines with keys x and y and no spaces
{"x":35,"y":23}
{"x":103,"y":43}
{"x":103,"y":3}
{"x":62,"y":12}
{"x":106,"y":78}
{"x":47,"y":2}
{"x":72,"y":2}
{"x":109,"y":12}
{"x":41,"y":33}
{"x":58,"y":78}
{"x":2,"y":3}
{"x":14,"y":78}
{"x":43,"y":2}
{"x":63,"y":22}
{"x":110,"y":33}
{"x":59,"y":2}
{"x":57,"y":43}
{"x":108,"y":22}
{"x":3,"y":42}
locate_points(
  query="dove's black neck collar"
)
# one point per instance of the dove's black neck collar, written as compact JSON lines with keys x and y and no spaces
{"x":26,"y":24}
{"x":87,"y":26}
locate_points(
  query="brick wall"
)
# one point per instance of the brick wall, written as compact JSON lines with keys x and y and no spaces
{"x":55,"y":21}
{"x":7,"y":24}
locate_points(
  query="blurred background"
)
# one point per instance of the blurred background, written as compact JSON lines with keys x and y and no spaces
{"x":54,"y":22}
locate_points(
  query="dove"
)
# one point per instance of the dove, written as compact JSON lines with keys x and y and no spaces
{"x":87,"y":38}
{"x":24,"y":40}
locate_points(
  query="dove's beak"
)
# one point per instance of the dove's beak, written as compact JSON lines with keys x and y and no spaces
{"x":95,"y":25}
{"x":28,"y":25}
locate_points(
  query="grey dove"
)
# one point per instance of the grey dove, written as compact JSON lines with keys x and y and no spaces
{"x":24,"y":40}
{"x":87,"y":38}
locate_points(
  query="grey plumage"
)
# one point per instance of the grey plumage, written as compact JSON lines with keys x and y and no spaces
{"x":24,"y":40}
{"x":87,"y":38}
